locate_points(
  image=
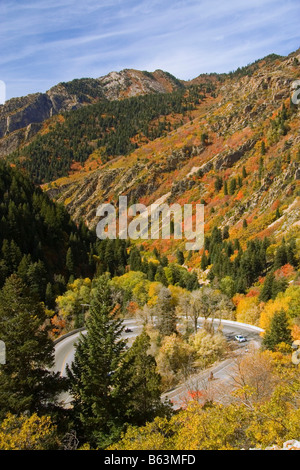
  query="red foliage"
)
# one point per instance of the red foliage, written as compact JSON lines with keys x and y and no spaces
{"x":285,"y":271}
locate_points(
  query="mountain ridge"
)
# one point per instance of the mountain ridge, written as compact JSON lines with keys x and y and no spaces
{"x":236,"y":148}
{"x":249,"y":127}
{"x":21,"y":118}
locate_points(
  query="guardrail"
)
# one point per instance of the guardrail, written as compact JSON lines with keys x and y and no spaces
{"x":235,"y":323}
{"x":70,"y":333}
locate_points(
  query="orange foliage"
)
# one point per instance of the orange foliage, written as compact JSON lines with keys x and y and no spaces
{"x":132,"y":308}
{"x":58,"y":325}
{"x":285,"y":271}
{"x":295,"y":332}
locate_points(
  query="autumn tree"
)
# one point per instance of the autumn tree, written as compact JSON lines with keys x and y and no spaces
{"x":28,"y":433}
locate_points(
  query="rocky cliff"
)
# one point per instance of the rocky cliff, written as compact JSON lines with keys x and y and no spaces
{"x":21,"y":118}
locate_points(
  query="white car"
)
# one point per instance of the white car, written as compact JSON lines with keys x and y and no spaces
{"x":240,"y":338}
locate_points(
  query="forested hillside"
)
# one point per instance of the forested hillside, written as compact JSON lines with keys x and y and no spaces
{"x":104,"y":130}
{"x":38,"y":239}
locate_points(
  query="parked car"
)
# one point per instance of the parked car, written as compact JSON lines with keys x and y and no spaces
{"x":240,"y":338}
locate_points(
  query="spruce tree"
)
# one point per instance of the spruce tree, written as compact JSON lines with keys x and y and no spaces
{"x":92,"y":375}
{"x":139,"y":385}
{"x":266,"y":292}
{"x":26,"y":381}
{"x":278,"y":331}
{"x":281,"y":257}
{"x":165,"y":310}
{"x":180,"y":257}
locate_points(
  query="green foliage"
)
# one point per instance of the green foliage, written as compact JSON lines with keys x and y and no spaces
{"x":138,"y":385}
{"x":165,"y":311}
{"x":278,"y":332}
{"x":26,"y":383}
{"x":107,"y":125}
{"x":244,"y":268}
{"x":38,"y":239}
{"x":272,"y":287}
{"x":92,"y":374}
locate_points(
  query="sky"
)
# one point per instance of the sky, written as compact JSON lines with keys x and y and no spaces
{"x":44,"y":42}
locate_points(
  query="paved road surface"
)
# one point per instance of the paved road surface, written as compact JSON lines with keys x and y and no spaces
{"x":65,"y":350}
{"x":217,"y":389}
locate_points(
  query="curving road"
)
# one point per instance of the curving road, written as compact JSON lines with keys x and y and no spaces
{"x":218,"y":388}
{"x":65,"y":350}
{"x":65,"y":346}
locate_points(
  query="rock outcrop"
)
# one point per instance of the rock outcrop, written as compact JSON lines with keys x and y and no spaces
{"x":19,"y":113}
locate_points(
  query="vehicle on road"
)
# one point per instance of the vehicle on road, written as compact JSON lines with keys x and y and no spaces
{"x":240,"y":338}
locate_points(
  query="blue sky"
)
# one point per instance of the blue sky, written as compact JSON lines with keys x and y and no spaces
{"x":46,"y":42}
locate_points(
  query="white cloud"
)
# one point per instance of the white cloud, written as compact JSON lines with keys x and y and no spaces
{"x":61,"y":40}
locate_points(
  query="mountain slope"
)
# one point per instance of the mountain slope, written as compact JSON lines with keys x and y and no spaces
{"x":21,"y":118}
{"x":233,"y":144}
{"x":246,"y":139}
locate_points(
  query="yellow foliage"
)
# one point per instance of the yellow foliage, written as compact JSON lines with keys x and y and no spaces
{"x":272,"y":306}
{"x":208,"y":346}
{"x":153,"y":292}
{"x":23,"y":433}
{"x":153,"y":436}
{"x":248,"y":310}
{"x":78,"y":292}
{"x":177,"y":293}
{"x":174,"y":356}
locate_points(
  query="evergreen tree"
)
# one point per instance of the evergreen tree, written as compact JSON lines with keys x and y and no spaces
{"x":26,"y":381}
{"x":267,"y":288}
{"x":135,"y":260}
{"x":139,"y":385}
{"x":92,"y":375}
{"x":165,"y":311}
{"x":278,"y":331}
{"x":218,"y":183}
{"x":204,"y":262}
{"x":225,"y":232}
{"x":225,"y":188}
{"x":70,"y":261}
{"x":232,"y":186}
{"x":160,"y":276}
{"x":180,"y":257}
{"x":281,"y":256}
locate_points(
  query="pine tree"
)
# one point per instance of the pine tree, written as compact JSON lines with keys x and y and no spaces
{"x":204,"y":262}
{"x":92,"y":374}
{"x":225,"y":188}
{"x":165,"y":311}
{"x":278,"y":331}
{"x":225,"y":232}
{"x":139,"y":384}
{"x":232,"y":186}
{"x":26,"y":380}
{"x":281,"y":257}
{"x":135,"y":260}
{"x":266,"y":292}
{"x":160,"y":276}
{"x":180,"y":257}
{"x":70,"y":261}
